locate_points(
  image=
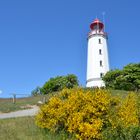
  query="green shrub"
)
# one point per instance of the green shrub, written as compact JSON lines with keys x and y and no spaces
{"x":60,"y":82}
{"x":126,"y":79}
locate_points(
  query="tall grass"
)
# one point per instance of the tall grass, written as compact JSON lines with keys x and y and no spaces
{"x":25,"y":129}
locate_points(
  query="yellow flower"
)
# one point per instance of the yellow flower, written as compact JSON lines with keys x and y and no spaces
{"x":86,"y":113}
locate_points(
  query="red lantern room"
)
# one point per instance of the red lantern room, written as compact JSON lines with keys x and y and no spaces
{"x":97,"y":24}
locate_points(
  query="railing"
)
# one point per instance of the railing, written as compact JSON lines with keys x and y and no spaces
{"x":94,"y":33}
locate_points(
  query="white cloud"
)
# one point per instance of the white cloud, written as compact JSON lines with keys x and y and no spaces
{"x":0,"y":91}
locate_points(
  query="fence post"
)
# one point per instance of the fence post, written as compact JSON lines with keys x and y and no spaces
{"x":44,"y":100}
{"x":14,"y":98}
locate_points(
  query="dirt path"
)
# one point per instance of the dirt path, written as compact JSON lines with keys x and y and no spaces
{"x":20,"y":113}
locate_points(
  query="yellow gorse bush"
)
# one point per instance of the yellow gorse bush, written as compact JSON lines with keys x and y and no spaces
{"x":128,"y":111}
{"x":86,"y":113}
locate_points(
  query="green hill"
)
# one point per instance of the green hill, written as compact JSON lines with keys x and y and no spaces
{"x":24,"y":128}
{"x":7,"y":105}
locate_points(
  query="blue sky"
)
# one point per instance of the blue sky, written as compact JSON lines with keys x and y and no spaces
{"x":40,"y":39}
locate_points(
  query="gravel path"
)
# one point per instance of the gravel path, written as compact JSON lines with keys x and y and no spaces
{"x":20,"y":113}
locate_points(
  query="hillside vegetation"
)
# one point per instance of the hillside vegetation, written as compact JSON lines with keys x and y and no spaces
{"x":7,"y":105}
{"x":126,"y":79}
{"x":25,"y":129}
{"x":82,"y":105}
{"x":92,"y":114}
{"x":57,"y":83}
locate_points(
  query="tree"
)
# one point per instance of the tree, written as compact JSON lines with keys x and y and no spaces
{"x":36,"y":91}
{"x":126,"y":79}
{"x":60,"y":82}
{"x":110,"y":77}
{"x":132,"y":75}
{"x":71,"y":81}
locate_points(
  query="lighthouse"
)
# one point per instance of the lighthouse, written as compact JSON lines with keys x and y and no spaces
{"x":97,"y":55}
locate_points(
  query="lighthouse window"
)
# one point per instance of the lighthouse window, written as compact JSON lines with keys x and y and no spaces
{"x":101,"y":63}
{"x":101,"y":75}
{"x":100,"y":51}
{"x":99,"y":41}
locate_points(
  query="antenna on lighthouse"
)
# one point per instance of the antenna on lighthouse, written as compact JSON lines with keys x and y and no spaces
{"x":97,"y":25}
{"x":96,"y":17}
{"x":103,"y":14}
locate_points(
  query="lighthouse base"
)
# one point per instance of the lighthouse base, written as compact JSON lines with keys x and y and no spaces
{"x":95,"y":83}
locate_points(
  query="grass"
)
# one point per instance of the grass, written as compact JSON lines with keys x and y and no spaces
{"x":121,"y":93}
{"x":7,"y":105}
{"x":25,"y":129}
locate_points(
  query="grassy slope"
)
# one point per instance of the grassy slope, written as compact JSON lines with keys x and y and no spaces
{"x":25,"y":129}
{"x":121,"y":93}
{"x":7,"y":105}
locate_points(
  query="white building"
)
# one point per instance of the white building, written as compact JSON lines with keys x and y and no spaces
{"x":97,"y":55}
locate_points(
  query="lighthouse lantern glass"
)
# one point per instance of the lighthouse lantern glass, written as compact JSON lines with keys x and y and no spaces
{"x":96,"y":27}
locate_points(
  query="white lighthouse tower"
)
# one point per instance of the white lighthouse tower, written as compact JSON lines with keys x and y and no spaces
{"x":97,"y":57}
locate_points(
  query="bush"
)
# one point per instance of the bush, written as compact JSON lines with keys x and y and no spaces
{"x":60,"y":82}
{"x":126,"y":79}
{"x":90,"y":114}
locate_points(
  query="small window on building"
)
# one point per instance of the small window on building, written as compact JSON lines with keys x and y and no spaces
{"x":100,"y":51}
{"x":100,"y":41}
{"x":101,"y":75}
{"x":101,"y":63}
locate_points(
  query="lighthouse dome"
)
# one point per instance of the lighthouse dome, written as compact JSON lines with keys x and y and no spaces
{"x":96,"y":24}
